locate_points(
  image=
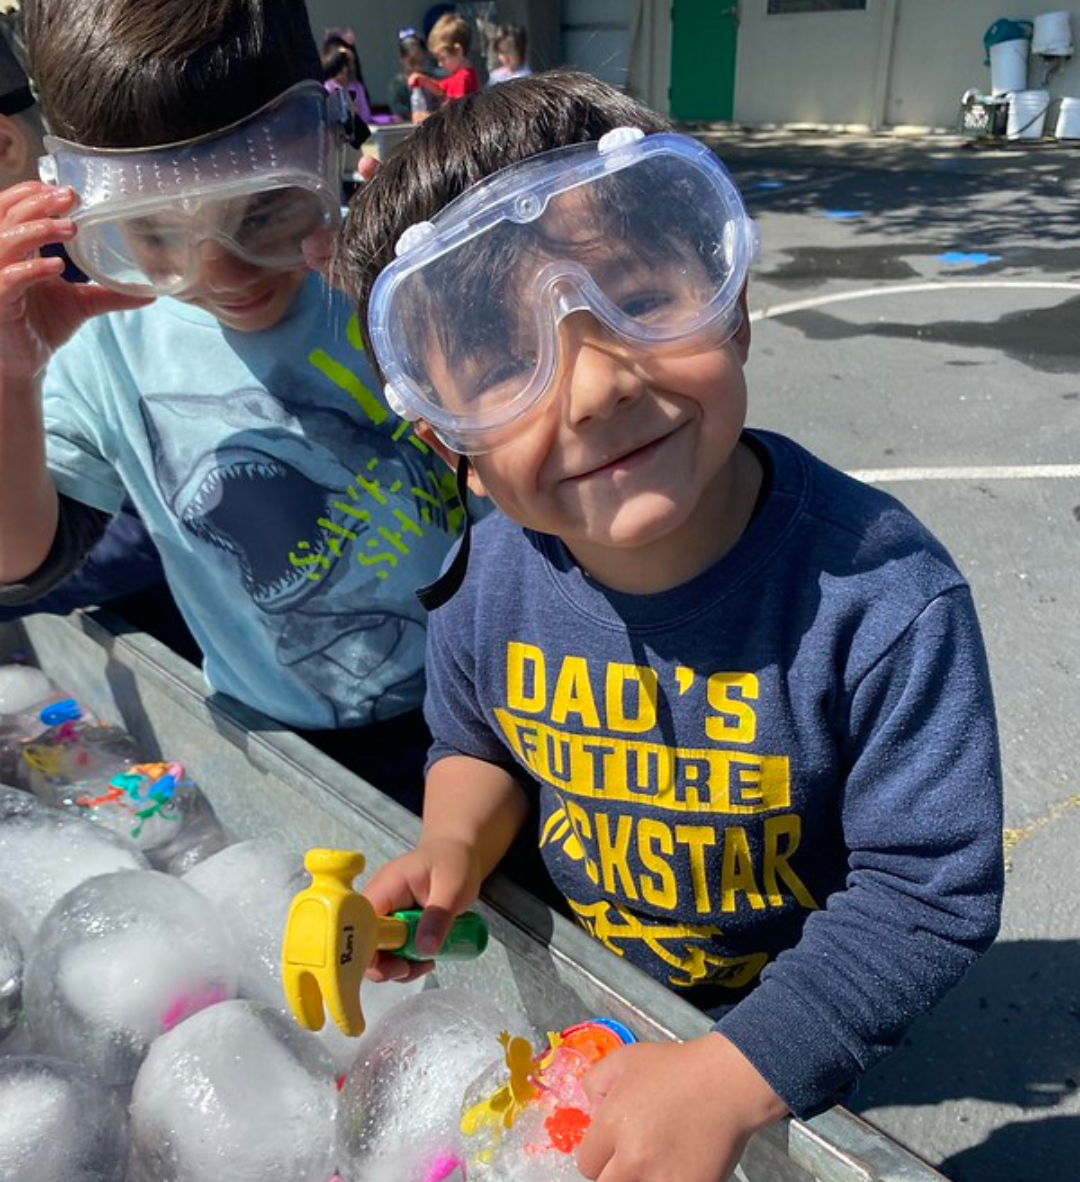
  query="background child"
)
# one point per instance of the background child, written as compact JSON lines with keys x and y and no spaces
{"x":748,"y":693}
{"x":293,"y":512}
{"x":510,"y":45}
{"x":406,"y":101}
{"x":449,"y":43}
{"x":342,"y":71}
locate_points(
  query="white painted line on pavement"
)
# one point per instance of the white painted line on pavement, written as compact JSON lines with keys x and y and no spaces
{"x":1005,"y":472}
{"x":867,"y":293}
{"x":891,"y":475}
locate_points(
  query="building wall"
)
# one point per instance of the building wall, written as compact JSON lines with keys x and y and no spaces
{"x":938,"y":54}
{"x":807,"y":68}
{"x":899,"y":62}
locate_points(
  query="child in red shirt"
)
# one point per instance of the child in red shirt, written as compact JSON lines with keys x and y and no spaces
{"x":449,"y":42}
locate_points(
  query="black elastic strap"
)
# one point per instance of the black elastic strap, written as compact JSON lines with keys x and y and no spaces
{"x":16,"y":100}
{"x":357,"y":131}
{"x":436,"y":594}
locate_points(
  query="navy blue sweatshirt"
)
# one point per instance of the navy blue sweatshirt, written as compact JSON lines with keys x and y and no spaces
{"x":775,"y":788}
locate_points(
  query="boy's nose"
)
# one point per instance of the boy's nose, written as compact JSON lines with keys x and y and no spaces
{"x":599,"y":372}
{"x":219,"y":269}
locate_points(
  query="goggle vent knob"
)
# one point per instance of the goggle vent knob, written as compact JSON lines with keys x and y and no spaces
{"x":619,"y":137}
{"x":395,"y":403}
{"x":414,"y":237}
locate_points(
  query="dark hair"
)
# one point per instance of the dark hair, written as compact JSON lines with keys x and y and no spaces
{"x":408,"y":40}
{"x":333,"y":62}
{"x":15,"y":93}
{"x":337,"y":46}
{"x":134,"y":73}
{"x":463,"y":142}
{"x":515,"y":34}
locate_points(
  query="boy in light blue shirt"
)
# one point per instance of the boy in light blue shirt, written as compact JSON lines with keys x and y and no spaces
{"x":208,"y":374}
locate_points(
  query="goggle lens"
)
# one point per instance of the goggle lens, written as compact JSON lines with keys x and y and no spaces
{"x":656,"y":251}
{"x":161,"y":251}
{"x":257,"y":188}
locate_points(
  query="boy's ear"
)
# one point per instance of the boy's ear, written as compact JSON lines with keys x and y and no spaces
{"x":742,"y":335}
{"x":450,"y":457}
{"x":14,"y":151}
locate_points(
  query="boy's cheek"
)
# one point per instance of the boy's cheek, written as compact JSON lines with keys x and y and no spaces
{"x":318,"y":248}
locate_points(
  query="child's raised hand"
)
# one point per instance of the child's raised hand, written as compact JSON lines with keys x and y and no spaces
{"x":38,"y":309}
{"x":442,"y":876}
{"x":673,"y":1110}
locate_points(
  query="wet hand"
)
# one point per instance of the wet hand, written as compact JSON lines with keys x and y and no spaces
{"x":673,"y":1110}
{"x":39,"y":310}
{"x":442,"y":877}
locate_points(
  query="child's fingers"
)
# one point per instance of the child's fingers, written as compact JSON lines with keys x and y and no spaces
{"x":367,"y":167}
{"x":30,"y":200}
{"x":595,"y":1150}
{"x":17,"y":278}
{"x":387,"y":967}
{"x":21,"y":242}
{"x":391,"y":888}
{"x":452,"y":887}
{"x":94,"y":300}
{"x":432,"y":929}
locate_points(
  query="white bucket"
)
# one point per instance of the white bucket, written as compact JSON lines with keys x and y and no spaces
{"x":1068,"y":120}
{"x":1008,"y":66}
{"x":1053,"y":35}
{"x":1027,"y":114}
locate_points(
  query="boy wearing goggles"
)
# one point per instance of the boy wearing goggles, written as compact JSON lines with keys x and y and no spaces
{"x":747,"y":695}
{"x":208,"y":373}
{"x":124,"y":561}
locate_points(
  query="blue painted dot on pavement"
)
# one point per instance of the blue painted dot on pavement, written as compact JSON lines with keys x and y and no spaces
{"x":964,"y":258}
{"x":842,"y":215}
{"x":768,"y":184}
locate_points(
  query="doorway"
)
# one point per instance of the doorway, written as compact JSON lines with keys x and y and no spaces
{"x":704,"y":35}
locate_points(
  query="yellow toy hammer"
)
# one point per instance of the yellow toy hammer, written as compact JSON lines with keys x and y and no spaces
{"x":332,"y":935}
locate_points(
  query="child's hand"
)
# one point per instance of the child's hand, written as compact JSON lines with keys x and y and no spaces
{"x":444,"y":878}
{"x":38,"y":309}
{"x":673,"y":1110}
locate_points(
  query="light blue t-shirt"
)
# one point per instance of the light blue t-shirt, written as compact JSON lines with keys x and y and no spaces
{"x":294,"y":512}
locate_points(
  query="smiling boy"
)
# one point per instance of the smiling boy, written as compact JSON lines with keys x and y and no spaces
{"x":747,"y":694}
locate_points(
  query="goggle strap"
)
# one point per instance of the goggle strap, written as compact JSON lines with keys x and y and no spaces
{"x":435,"y":594}
{"x":357,"y":131}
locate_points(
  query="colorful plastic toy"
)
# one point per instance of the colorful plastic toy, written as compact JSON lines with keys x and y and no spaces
{"x":332,"y":935}
{"x":544,"y":1087}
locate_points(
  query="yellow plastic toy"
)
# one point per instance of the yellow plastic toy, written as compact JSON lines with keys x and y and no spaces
{"x":332,"y":935}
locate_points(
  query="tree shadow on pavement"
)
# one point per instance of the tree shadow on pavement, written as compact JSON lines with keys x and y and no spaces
{"x":1045,"y":1150}
{"x":1008,"y":203}
{"x":1009,"y":1034}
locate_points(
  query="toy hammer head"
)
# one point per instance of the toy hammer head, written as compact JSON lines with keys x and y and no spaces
{"x":332,"y":935}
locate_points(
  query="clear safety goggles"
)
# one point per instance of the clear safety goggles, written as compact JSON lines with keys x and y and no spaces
{"x":258,"y":188}
{"x":647,"y":233}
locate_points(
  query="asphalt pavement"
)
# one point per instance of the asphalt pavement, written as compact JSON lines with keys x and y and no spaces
{"x":916,"y":320}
